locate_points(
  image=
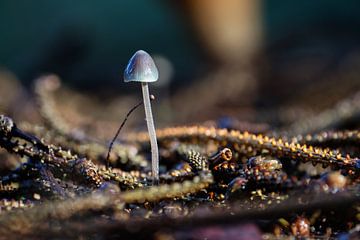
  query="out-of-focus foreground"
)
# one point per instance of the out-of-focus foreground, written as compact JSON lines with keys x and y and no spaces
{"x":267,"y":96}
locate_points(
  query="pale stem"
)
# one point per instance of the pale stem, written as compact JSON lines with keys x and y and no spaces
{"x":152,"y":134}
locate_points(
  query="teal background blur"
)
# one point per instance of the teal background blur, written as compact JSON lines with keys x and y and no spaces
{"x":89,"y":42}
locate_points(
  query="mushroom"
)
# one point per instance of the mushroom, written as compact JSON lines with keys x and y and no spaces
{"x":141,"y":68}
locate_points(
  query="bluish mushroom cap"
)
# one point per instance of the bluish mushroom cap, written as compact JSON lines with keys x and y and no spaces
{"x":141,"y":68}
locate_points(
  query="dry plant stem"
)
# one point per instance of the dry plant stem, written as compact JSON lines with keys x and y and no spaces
{"x":91,"y":149}
{"x":44,"y":89}
{"x":152,"y":134}
{"x":338,"y":137}
{"x":124,"y":179}
{"x":343,"y":111}
{"x":38,"y":217}
{"x":235,"y":214}
{"x":52,"y":156}
{"x":251,"y":145}
{"x":168,"y":191}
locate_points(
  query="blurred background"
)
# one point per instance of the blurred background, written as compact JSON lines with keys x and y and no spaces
{"x":258,"y":61}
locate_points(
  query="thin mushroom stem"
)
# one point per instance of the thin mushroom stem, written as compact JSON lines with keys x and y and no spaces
{"x":152,"y":133}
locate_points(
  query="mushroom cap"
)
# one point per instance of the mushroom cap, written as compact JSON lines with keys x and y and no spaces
{"x":141,"y":68}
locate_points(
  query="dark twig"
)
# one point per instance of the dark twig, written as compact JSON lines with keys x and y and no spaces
{"x":118,"y":131}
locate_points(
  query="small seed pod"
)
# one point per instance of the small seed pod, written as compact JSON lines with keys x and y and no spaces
{"x":109,"y":187}
{"x":197,"y":161}
{"x":6,"y":124}
{"x":264,"y":164}
{"x":335,"y":181}
{"x":224,"y":155}
{"x":301,"y":227}
{"x":236,"y":187}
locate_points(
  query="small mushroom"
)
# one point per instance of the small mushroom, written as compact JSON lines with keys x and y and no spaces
{"x":141,"y":68}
